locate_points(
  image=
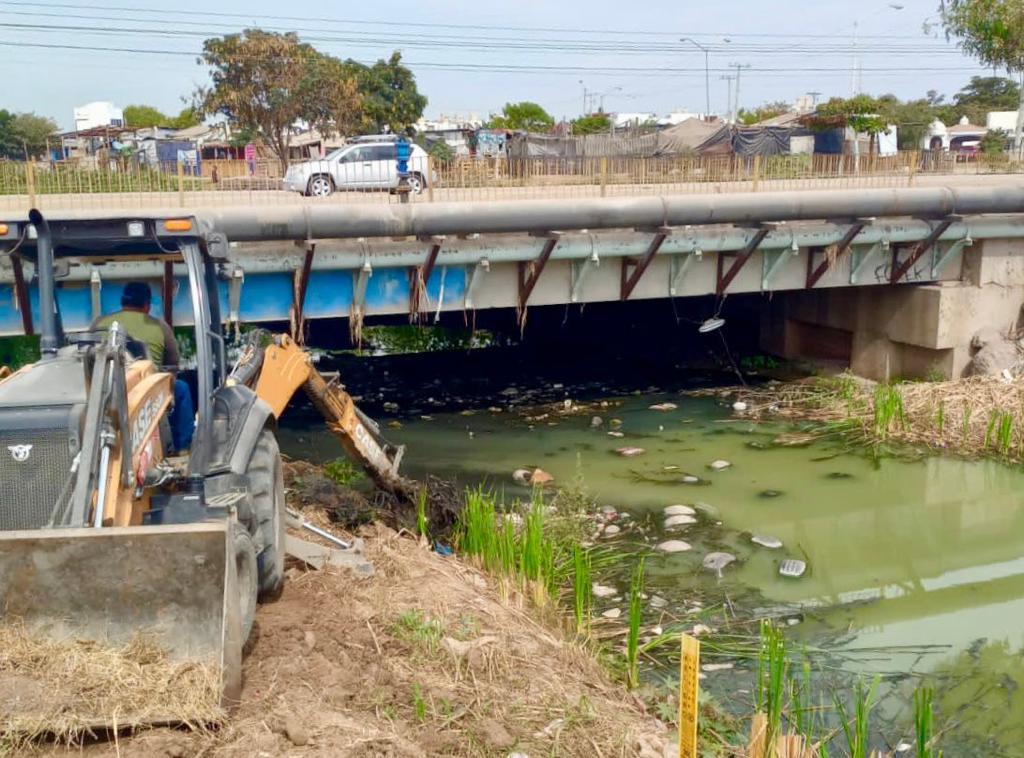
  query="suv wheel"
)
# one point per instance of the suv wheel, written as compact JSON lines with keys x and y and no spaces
{"x":320,"y":186}
{"x":416,"y":183}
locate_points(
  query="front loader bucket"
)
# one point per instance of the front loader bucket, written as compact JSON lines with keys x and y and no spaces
{"x":117,"y":627}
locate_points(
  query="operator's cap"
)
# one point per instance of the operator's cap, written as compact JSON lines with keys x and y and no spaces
{"x":136,"y":295}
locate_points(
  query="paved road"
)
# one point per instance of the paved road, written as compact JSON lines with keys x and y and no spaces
{"x":153,"y":200}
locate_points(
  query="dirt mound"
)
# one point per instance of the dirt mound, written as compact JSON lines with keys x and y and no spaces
{"x":423,"y":659}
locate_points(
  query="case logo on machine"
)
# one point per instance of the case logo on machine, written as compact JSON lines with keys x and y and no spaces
{"x":20,"y":453}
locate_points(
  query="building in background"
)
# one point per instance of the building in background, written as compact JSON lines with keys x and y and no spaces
{"x":98,"y":114}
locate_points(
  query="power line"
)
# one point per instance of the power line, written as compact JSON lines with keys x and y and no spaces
{"x":250,"y":18}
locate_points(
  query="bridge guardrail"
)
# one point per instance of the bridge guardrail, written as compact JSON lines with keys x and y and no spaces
{"x":105,"y":183}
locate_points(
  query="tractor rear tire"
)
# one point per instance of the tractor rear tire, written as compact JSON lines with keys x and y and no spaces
{"x":246,"y":572}
{"x":266,"y":486}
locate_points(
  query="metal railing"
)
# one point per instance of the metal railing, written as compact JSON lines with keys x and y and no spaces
{"x":127,"y":184}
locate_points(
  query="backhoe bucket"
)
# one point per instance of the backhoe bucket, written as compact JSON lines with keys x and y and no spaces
{"x":117,"y":627}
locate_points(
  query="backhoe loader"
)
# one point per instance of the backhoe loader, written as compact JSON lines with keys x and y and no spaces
{"x":103,"y":537}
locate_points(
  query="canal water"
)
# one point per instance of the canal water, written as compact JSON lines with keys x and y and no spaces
{"x":915,"y":564}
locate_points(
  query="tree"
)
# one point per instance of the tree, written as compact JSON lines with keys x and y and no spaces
{"x":984,"y":94}
{"x":268,"y":82}
{"x":144,"y":116}
{"x":763,"y":112}
{"x":389,"y":95}
{"x":186,"y":118}
{"x":862,"y":113}
{"x":32,"y":133}
{"x":912,"y":120}
{"x":524,"y":116}
{"x":597,"y":123}
{"x":993,"y":32}
{"x":9,"y":147}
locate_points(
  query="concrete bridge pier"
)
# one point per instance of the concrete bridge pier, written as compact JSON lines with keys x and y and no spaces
{"x":911,"y":332}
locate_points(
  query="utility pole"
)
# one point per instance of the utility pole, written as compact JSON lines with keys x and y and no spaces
{"x":814,"y":95}
{"x":728,"y":103}
{"x":707,"y":74}
{"x":739,"y":70}
{"x":855,"y":84}
{"x":584,"y":97}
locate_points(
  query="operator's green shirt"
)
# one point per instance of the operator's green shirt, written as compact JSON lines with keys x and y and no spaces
{"x":157,"y":335}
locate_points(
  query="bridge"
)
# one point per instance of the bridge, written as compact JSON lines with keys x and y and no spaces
{"x":894,"y":280}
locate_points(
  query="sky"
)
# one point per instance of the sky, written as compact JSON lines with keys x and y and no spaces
{"x":472,"y":57}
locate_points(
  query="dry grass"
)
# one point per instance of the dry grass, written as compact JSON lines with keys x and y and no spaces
{"x":70,"y":689}
{"x":977,"y":416}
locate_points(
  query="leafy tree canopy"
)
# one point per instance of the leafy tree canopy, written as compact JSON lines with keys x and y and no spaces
{"x":25,"y":134}
{"x":524,"y":116}
{"x":596,"y":123}
{"x":145,"y":116}
{"x":763,"y":112}
{"x":390,"y":99}
{"x":267,"y":82}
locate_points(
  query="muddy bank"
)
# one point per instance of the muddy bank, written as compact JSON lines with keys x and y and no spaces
{"x":425,"y":658}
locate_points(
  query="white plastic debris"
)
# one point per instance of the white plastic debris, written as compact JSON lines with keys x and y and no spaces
{"x":673,"y":522}
{"x":764,"y":540}
{"x":792,"y":568}
{"x":602,"y":590}
{"x":674,"y":546}
{"x":719,"y":465}
{"x":739,"y":406}
{"x":679,"y":510}
{"x":612,"y":613}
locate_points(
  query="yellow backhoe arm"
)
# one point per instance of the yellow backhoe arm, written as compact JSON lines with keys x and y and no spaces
{"x":286,"y":367}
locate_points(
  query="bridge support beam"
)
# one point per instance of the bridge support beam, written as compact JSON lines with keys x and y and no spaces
{"x":841,"y":248}
{"x":899,"y":269}
{"x":724,"y":280}
{"x":420,"y":275}
{"x":629,"y":281}
{"x":300,"y":283}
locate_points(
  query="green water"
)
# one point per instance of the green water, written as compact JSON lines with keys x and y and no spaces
{"x":922,"y":561}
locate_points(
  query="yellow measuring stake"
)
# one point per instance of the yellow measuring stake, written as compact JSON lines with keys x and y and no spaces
{"x":689,"y":689}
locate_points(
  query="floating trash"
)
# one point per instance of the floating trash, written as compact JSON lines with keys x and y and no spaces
{"x":739,"y":406}
{"x":681,"y":520}
{"x":718,"y":561}
{"x":596,"y":421}
{"x":772,"y":543}
{"x":691,"y":479}
{"x":521,"y":476}
{"x":719,"y":465}
{"x":770,"y":493}
{"x":674,"y":546}
{"x":611,"y":530}
{"x":758,"y":445}
{"x":617,"y":435}
{"x":657,"y":601}
{"x":679,"y":510}
{"x":792,"y":568}
{"x":663,"y":407}
{"x":630,"y":452}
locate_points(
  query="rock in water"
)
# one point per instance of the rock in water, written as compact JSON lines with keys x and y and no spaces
{"x":691,"y":479}
{"x":612,"y":613}
{"x":596,"y":422}
{"x":611,"y":530}
{"x":657,"y":601}
{"x":630,"y":452}
{"x":601,"y":590}
{"x":679,"y":510}
{"x":681,"y":520}
{"x":719,"y":465}
{"x":674,"y":546}
{"x":772,"y":543}
{"x":770,"y":493}
{"x":522,"y":476}
{"x":739,"y":406}
{"x":718,"y":561}
{"x":663,"y":407}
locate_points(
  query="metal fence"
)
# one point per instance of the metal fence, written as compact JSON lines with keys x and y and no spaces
{"x":120,"y":184}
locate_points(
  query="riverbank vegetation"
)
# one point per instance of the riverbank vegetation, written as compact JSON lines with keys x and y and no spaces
{"x":977,"y":416}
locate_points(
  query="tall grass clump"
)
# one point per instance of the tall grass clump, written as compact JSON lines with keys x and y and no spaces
{"x":770,"y":688}
{"x":856,"y":725}
{"x":636,"y":588}
{"x":890,"y":414}
{"x":924,"y":718}
{"x":1004,"y":432}
{"x":582,"y":587}
{"x":528,"y":554}
{"x":421,"y":513}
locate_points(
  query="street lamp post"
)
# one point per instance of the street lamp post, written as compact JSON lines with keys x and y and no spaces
{"x":707,"y":74}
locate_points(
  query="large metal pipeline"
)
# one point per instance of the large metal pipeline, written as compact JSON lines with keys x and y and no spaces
{"x":493,"y":217}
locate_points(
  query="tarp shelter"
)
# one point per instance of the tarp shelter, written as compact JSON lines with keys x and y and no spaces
{"x":693,"y":136}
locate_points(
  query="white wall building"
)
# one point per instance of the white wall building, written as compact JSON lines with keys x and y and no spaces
{"x":96,"y":114}
{"x":1005,"y":120}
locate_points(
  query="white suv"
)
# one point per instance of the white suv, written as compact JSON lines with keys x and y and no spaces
{"x":364,"y":165}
